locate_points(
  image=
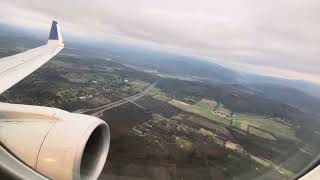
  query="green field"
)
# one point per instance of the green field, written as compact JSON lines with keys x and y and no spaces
{"x":203,"y":108}
{"x":159,"y":95}
{"x":242,"y":120}
{"x":156,"y":93}
{"x":261,"y":133}
{"x":221,"y":109}
{"x":268,"y":163}
{"x":269,"y":127}
{"x":139,"y":85}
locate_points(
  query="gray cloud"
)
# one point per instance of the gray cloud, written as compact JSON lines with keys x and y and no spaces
{"x":282,"y":35}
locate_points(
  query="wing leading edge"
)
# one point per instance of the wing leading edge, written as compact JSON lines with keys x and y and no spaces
{"x":15,"y":68}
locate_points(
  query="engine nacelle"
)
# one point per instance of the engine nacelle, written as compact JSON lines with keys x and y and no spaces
{"x":56,"y":143}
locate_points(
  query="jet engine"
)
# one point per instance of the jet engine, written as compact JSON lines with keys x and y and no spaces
{"x":56,"y":143}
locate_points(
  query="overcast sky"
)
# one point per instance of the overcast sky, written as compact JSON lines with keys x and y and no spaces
{"x":275,"y":37}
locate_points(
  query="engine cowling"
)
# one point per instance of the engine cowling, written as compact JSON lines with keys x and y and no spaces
{"x":56,"y":143}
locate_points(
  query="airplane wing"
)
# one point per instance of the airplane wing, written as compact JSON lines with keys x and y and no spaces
{"x":14,"y":68}
{"x":42,"y":142}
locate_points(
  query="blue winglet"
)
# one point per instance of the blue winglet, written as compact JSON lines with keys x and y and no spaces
{"x":54,"y":31}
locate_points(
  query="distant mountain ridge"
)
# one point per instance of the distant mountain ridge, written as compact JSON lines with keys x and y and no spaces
{"x":304,"y":86}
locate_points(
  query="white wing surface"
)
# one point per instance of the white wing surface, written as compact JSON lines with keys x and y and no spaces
{"x":15,"y":68}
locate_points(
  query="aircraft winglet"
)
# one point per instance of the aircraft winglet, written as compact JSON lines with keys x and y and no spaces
{"x":55,"y":33}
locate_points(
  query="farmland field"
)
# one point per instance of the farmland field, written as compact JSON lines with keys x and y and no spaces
{"x":258,"y":125}
{"x":203,"y":108}
{"x":280,"y":130}
{"x":221,"y":109}
{"x":159,"y":95}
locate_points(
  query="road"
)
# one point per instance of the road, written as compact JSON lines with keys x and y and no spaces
{"x":99,"y":110}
